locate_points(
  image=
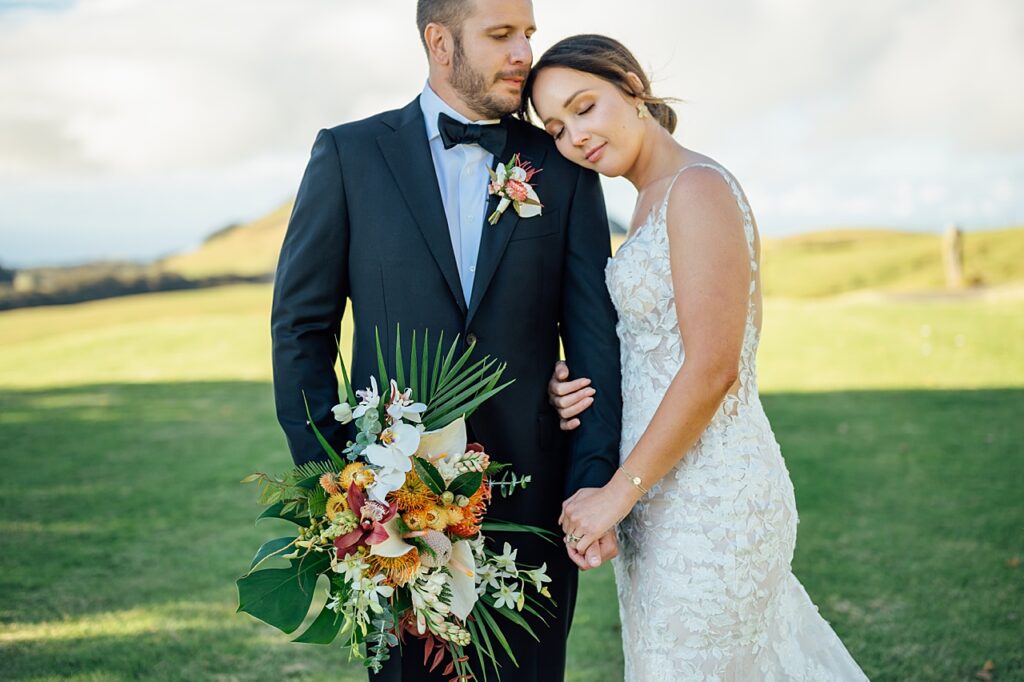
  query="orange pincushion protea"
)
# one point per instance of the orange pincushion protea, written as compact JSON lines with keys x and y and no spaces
{"x":356,"y":472}
{"x":414,"y":495}
{"x":433,"y":518}
{"x":454,"y":515}
{"x":329,"y":482}
{"x":336,"y":504}
{"x":464,"y":529}
{"x":398,"y":570}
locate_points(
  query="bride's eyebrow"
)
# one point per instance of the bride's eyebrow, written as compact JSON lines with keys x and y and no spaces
{"x":567,"y":102}
{"x":572,"y":97}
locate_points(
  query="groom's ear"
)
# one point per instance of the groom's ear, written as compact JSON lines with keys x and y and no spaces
{"x":440,"y":43}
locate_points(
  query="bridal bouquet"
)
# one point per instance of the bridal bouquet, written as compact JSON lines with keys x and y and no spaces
{"x":396,"y":524}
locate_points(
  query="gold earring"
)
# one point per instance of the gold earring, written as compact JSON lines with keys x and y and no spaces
{"x":641,"y":110}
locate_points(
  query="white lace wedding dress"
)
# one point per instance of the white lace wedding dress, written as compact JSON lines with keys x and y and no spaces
{"x":705,"y":587}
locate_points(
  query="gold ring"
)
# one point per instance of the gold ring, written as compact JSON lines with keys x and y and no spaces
{"x":571,"y":538}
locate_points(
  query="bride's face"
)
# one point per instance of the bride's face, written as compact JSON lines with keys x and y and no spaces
{"x":594,"y":123}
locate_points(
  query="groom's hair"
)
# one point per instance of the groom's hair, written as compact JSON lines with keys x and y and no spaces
{"x":448,"y":13}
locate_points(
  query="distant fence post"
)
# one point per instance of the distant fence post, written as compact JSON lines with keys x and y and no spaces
{"x":953,"y":256}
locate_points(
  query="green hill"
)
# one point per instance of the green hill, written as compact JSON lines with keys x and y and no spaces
{"x":839,"y":261}
{"x":246,"y":250}
{"x":815,"y":264}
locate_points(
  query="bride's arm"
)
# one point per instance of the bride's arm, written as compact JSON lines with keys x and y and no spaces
{"x":711,"y":280}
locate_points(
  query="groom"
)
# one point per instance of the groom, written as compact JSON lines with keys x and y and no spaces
{"x":392,"y":214}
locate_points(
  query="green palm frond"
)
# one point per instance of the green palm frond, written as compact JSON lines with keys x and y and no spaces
{"x":317,"y":502}
{"x":312,"y":469}
{"x":451,"y":386}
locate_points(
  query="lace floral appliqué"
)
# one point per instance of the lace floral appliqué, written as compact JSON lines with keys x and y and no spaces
{"x":704,"y":580}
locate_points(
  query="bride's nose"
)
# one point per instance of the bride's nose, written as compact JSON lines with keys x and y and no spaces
{"x":579,"y":137}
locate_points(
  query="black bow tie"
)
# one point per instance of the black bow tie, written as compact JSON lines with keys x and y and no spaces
{"x":490,"y":137}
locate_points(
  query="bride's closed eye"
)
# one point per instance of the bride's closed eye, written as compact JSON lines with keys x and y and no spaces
{"x":557,"y":134}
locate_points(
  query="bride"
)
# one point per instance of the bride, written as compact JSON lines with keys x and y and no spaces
{"x":703,"y":501}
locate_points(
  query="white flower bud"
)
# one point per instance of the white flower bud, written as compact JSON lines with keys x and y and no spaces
{"x":342,"y":412}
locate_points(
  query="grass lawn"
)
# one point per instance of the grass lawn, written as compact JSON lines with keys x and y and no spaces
{"x":126,"y":424}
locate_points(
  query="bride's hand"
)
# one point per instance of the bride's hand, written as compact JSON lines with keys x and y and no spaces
{"x":592,"y":512}
{"x":570,"y":398}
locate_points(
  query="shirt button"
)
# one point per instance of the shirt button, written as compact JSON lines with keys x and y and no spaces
{"x":472,"y":268}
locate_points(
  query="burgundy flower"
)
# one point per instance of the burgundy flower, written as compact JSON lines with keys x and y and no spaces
{"x":372,"y":517}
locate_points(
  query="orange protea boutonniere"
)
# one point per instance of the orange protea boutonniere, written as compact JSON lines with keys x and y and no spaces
{"x":511,"y":182}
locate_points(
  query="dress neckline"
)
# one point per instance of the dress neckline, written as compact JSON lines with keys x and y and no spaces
{"x":659,"y":208}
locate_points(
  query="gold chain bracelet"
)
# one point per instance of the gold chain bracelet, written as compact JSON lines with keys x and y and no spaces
{"x":635,"y":480}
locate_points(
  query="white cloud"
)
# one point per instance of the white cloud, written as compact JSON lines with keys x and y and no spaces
{"x":822,"y":109}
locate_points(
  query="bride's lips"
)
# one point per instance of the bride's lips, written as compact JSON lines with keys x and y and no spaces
{"x":594,"y":155}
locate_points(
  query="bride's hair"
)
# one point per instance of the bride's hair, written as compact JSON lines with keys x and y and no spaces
{"x":605,"y":58}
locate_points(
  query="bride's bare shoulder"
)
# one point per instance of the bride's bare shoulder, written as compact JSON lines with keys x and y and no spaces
{"x":702,"y":186}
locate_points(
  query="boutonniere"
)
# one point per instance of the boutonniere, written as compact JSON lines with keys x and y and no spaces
{"x":511,"y":182}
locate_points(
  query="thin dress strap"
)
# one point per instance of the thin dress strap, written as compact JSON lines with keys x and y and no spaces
{"x":741,"y":202}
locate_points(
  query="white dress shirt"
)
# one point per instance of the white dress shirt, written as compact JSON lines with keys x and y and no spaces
{"x":462,"y":178}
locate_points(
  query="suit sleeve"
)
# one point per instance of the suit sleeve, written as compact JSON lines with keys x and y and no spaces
{"x":591,"y":346}
{"x":310,"y":288}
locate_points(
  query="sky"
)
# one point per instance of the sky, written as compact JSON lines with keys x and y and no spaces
{"x":133,"y":128}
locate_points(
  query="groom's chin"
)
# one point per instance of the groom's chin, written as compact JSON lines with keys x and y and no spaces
{"x":506,"y":101}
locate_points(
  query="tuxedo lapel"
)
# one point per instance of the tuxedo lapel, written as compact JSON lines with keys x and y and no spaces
{"x":407,"y":153}
{"x":495,"y":238}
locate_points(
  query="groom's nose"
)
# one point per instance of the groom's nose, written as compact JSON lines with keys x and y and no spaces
{"x":521,"y":53}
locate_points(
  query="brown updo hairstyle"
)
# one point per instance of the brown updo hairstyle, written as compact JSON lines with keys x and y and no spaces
{"x":607,"y":59}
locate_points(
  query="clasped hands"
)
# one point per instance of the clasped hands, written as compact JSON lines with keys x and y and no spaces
{"x":588,"y":521}
{"x":589,"y":517}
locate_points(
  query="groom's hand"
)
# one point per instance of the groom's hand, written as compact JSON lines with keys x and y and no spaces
{"x":605,"y":549}
{"x":570,"y":398}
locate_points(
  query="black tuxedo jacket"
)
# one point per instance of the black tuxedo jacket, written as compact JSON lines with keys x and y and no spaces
{"x":369,"y":226}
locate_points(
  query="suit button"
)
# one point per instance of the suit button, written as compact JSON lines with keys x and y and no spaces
{"x":470,"y":339}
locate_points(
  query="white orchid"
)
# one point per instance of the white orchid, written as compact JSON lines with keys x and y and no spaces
{"x":369,"y":399}
{"x":351,"y":567}
{"x":402,"y":407}
{"x":506,"y":561}
{"x":506,"y":596}
{"x":391,"y":456}
{"x":538,"y":577}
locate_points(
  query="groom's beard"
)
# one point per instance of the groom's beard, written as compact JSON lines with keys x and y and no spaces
{"x":473,"y":87}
